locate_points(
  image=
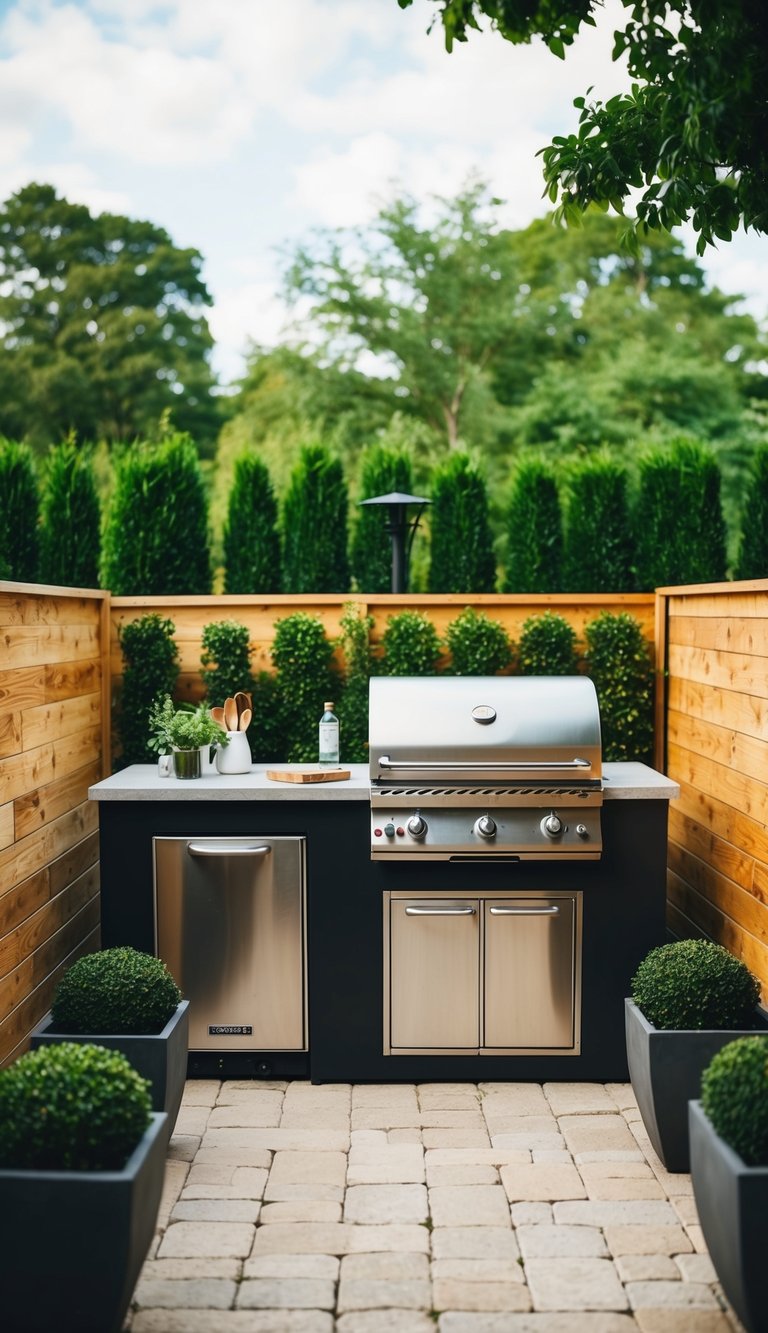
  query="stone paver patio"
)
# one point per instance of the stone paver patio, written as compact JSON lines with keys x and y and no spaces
{"x":410,"y":1208}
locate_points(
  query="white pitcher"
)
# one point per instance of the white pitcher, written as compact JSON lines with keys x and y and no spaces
{"x":235,"y":757}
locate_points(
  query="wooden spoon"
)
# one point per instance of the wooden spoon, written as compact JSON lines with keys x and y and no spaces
{"x":242,"y":701}
{"x":230,"y":714}
{"x":218,"y":716}
{"x":245,"y":719}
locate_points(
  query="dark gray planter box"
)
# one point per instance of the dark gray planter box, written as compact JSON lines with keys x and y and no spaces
{"x":665,"y":1069}
{"x":159,"y":1056}
{"x":74,"y":1241}
{"x":732,"y":1202}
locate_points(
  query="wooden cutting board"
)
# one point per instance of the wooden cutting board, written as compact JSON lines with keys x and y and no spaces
{"x":308,"y":774}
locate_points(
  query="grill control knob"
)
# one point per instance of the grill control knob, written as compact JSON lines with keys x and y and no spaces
{"x":552,"y":825}
{"x":582,"y":831}
{"x":417,"y":826}
{"x":485,"y":826}
{"x":389,"y":830}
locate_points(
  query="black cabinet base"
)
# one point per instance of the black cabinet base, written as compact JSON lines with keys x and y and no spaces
{"x":248,"y":1064}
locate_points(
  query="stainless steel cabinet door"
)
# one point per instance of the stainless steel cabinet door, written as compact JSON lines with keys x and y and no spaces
{"x":434,"y":974}
{"x":230,"y":926}
{"x":530,"y":976}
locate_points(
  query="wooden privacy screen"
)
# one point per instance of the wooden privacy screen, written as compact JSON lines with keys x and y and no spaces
{"x":54,"y":739}
{"x":715,"y":641}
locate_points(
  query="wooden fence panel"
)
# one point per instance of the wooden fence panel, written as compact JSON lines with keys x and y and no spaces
{"x":54,"y":742}
{"x":716,"y":746}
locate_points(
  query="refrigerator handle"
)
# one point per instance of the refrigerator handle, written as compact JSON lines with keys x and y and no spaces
{"x":208,"y":849}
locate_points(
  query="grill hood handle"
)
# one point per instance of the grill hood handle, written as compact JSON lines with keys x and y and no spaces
{"x":501,"y":765}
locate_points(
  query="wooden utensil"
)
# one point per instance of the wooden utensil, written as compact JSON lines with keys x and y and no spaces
{"x":230,"y":714}
{"x":242,"y":701}
{"x":218,"y":716}
{"x":245,"y":719}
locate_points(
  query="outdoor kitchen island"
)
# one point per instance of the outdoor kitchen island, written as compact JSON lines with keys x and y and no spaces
{"x":355,"y":996}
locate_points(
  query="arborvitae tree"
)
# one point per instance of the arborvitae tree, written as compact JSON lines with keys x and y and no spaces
{"x":151,"y":669}
{"x":315,"y":525}
{"x":383,"y":471}
{"x":251,"y":540}
{"x":19,"y":508}
{"x":534,"y":531}
{"x":598,"y":541}
{"x":752,"y":560}
{"x":679,"y":519}
{"x":70,"y":538}
{"x":462,"y":558}
{"x":156,"y":538}
{"x":302,"y":656}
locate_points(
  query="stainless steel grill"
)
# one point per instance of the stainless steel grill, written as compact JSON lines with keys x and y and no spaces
{"x":485,"y":767}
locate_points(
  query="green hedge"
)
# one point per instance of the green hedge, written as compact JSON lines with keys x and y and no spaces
{"x":461,"y":556}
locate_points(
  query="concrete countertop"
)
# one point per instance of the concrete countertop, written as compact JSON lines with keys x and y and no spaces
{"x":141,"y":782}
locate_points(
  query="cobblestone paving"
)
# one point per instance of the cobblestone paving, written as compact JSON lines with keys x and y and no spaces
{"x":410,"y":1208}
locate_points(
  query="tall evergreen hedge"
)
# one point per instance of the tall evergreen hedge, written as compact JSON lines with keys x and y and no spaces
{"x":383,"y":471}
{"x":302,"y":655}
{"x":314,"y":524}
{"x":462,"y":558}
{"x":251,"y":539}
{"x":156,"y":538}
{"x":619,"y":663}
{"x":70,"y":537}
{"x":598,"y":539}
{"x":752,"y":560}
{"x":534,"y":529}
{"x":151,"y":668}
{"x":19,"y":514}
{"x":679,"y":519}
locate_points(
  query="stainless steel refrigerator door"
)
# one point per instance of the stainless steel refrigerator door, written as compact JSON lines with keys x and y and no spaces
{"x":230,"y":925}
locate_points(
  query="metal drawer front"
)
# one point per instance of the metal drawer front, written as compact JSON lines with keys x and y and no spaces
{"x":435,"y":965}
{"x":529,"y":985}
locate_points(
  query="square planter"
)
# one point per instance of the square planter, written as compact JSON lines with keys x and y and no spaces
{"x":665,"y":1069}
{"x":74,"y":1241}
{"x":159,"y":1056}
{"x":732,"y":1201}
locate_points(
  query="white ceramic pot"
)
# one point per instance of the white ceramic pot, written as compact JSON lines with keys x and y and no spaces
{"x":235,"y":757}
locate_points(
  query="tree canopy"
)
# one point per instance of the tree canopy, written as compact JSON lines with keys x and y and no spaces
{"x":691,"y":134}
{"x":103,"y":325}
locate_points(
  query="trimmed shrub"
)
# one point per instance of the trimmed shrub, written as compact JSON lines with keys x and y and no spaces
{"x":679,"y":525}
{"x":314,"y":525}
{"x":547,"y":646}
{"x":695,"y":984}
{"x":302,"y":656}
{"x":478,"y":645}
{"x":598,"y":543}
{"x":534,"y":531}
{"x":383,"y":471}
{"x":618,"y":661}
{"x":225,"y":660}
{"x":461,"y":545}
{"x":115,"y":991}
{"x":71,"y":1107}
{"x":19,"y":512}
{"x":266,"y":733}
{"x":70,"y":540}
{"x":411,"y":645}
{"x":752,"y":560}
{"x":353,"y":704}
{"x":734,"y":1094}
{"x":251,"y":539}
{"x":156,"y":536}
{"x":151,"y":669}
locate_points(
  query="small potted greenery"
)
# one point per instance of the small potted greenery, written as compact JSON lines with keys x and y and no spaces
{"x":688,"y":1000}
{"x":184,"y":733}
{"x":729,"y":1172}
{"x":82,"y":1161}
{"x":129,"y":1002}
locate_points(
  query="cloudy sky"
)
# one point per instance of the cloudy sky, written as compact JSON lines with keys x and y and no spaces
{"x":240,"y":125}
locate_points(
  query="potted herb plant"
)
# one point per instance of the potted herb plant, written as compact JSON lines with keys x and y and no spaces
{"x":185,"y":733}
{"x":126,"y":1001}
{"x":729,"y":1172}
{"x":82,"y":1161}
{"x":688,"y":1000}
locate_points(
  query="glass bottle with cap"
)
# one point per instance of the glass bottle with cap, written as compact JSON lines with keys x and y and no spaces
{"x":329,"y":736}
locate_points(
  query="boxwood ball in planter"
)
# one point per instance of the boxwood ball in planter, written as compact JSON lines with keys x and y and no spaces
{"x":129,"y":1002}
{"x":82,"y":1161}
{"x":689,"y":999}
{"x":729,"y":1172}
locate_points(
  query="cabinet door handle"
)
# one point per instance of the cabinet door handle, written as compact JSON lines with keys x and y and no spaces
{"x":440,"y":911}
{"x":525,"y":911}
{"x":208,"y":849}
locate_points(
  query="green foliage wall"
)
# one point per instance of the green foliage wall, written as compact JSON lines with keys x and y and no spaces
{"x":383,"y":471}
{"x":547,"y":646}
{"x":462,"y":558}
{"x":19,"y":507}
{"x":156,"y":537}
{"x":598,"y":540}
{"x":411,"y":645}
{"x":302,"y":657}
{"x":70,"y":537}
{"x":752,"y":560}
{"x":534,"y":530}
{"x":251,"y":539}
{"x":314,"y":525}
{"x":679,"y":519}
{"x":151,"y":668}
{"x":353,"y":704}
{"x":618,"y":662}
{"x":225,"y":660}
{"x":478,"y":645}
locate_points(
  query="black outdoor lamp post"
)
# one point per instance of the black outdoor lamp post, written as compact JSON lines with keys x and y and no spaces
{"x":401,"y":529}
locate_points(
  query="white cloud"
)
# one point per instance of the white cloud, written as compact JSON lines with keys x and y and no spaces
{"x":76,"y":182}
